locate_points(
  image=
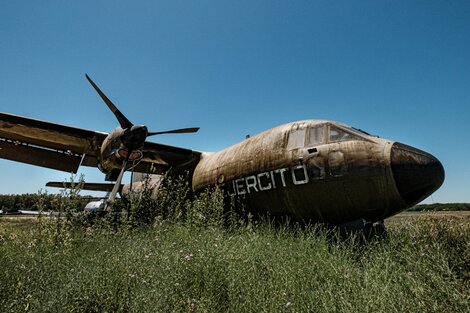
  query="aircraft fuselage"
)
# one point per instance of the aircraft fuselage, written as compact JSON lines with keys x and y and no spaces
{"x":322,"y":171}
{"x":319,"y":171}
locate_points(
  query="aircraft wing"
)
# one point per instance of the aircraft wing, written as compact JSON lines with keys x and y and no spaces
{"x":65,"y":148}
{"x":48,"y":144}
{"x":84,"y":186}
{"x":158,"y":158}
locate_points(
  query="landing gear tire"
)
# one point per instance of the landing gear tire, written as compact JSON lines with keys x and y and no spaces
{"x":376,"y":229}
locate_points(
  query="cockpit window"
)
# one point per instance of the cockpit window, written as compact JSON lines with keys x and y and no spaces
{"x":337,"y":134}
{"x":316,"y":135}
{"x":296,"y":139}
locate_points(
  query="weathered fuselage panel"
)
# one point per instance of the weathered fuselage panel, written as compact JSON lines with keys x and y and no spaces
{"x":321,"y":171}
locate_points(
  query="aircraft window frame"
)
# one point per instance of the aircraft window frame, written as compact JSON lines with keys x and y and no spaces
{"x":296,"y":138}
{"x":308,"y":136}
{"x":360,"y":131}
{"x":346,"y":136}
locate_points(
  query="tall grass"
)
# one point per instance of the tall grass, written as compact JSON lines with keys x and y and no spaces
{"x":178,"y":267}
{"x":186,"y":253}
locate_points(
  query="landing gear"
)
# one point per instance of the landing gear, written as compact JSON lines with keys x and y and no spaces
{"x":376,"y":229}
{"x":360,"y":226}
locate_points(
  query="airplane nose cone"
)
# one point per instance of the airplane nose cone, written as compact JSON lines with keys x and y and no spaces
{"x":417,"y":173}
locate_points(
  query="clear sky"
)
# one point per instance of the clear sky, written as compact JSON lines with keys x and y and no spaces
{"x":398,"y":69}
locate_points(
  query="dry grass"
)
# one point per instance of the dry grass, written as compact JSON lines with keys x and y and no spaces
{"x":422,"y":266}
{"x":458,"y":217}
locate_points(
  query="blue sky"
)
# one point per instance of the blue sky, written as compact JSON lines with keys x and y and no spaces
{"x":399,"y":69}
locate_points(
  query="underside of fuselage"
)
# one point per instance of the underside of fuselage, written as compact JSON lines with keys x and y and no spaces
{"x":314,"y":171}
{"x":321,"y":171}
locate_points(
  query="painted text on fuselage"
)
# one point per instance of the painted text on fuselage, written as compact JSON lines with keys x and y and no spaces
{"x":279,"y":178}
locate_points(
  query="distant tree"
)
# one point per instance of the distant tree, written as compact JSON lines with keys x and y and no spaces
{"x":441,"y":207}
{"x":35,"y":202}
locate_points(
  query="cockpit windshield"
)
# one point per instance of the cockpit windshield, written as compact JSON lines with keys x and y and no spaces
{"x":307,"y":137}
{"x":338,"y":134}
{"x":316,"y":135}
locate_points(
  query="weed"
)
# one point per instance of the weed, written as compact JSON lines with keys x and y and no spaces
{"x":181,"y":257}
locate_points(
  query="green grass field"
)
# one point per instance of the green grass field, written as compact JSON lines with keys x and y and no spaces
{"x":422,"y":266}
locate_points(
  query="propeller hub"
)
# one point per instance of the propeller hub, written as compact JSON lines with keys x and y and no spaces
{"x":134,"y":137}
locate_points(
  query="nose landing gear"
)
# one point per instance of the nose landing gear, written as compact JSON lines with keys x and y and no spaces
{"x":361,"y":226}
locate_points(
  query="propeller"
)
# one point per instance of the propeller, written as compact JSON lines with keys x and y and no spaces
{"x":132,"y":137}
{"x":175,"y":131}
{"x":123,"y":121}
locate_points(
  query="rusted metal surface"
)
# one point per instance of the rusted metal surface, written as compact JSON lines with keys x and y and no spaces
{"x":320,"y":171}
{"x":157,"y":158}
{"x":331,"y":182}
{"x":51,"y":145}
{"x":85,"y":186}
{"x":50,"y":135}
{"x":63,"y":161}
{"x":143,"y":182}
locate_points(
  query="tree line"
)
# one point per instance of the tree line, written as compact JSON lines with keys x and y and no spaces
{"x":441,"y":207}
{"x":46,"y":202}
{"x":38,"y":201}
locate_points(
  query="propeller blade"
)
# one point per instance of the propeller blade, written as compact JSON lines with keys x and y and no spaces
{"x":117,"y":185}
{"x":123,"y":121}
{"x":175,"y":131}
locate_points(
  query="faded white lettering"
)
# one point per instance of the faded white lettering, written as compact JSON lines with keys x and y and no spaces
{"x":251,"y":183}
{"x":240,"y":186}
{"x":304,"y":172}
{"x":267,"y":180}
{"x":281,"y":172}
{"x":261,"y":187}
{"x":273,"y":180}
{"x":234,"y":191}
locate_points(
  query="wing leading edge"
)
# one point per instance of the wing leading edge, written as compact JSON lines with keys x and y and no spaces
{"x":65,"y":148}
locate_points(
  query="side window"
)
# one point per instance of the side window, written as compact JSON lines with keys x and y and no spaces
{"x":337,"y":134}
{"x":316,"y":135}
{"x":296,"y":139}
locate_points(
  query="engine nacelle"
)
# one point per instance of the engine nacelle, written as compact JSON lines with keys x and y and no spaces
{"x":109,"y":158}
